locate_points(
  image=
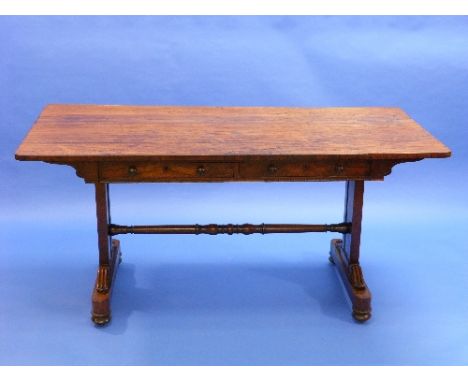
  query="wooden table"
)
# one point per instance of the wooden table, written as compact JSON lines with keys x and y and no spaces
{"x":112,"y":144}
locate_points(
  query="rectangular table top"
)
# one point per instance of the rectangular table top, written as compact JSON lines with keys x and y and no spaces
{"x":101,"y":132}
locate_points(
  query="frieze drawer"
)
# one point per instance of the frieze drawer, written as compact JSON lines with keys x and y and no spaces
{"x":175,"y":171}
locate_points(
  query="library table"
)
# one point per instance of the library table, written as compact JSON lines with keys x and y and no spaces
{"x":112,"y":144}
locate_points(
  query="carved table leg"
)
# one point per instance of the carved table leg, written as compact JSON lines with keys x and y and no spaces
{"x":345,"y":253}
{"x":109,"y":259}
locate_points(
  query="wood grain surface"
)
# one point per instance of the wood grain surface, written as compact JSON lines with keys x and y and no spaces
{"x":77,"y":133}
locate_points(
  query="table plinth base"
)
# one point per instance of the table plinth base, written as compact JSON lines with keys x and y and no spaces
{"x":353,"y":280}
{"x":101,"y":299}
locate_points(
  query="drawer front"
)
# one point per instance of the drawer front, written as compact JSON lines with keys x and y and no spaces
{"x":289,"y":170}
{"x":165,"y":171}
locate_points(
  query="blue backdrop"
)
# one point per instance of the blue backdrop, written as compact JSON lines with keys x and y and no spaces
{"x":255,"y":300}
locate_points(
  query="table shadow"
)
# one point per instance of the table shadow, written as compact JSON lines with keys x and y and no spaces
{"x":237,"y":288}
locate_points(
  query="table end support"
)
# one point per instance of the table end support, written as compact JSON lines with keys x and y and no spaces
{"x":101,"y":298}
{"x":109,"y":259}
{"x":345,"y":253}
{"x":353,"y":280}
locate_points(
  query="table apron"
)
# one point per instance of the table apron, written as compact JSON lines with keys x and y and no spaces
{"x":267,"y":170}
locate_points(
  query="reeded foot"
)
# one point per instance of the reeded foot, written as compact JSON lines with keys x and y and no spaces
{"x":361,"y":316}
{"x":100,"y":320}
{"x":101,"y":298}
{"x":353,"y":281}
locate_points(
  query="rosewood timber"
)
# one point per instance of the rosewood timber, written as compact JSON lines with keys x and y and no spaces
{"x":111,"y":143}
{"x":131,"y":144}
{"x":345,"y":253}
{"x":229,"y":229}
{"x":73,"y":133}
{"x":103,"y":221}
{"x":354,"y":199}
{"x":358,"y":292}
{"x":266,"y":170}
{"x":103,"y":287}
{"x":109,"y":258}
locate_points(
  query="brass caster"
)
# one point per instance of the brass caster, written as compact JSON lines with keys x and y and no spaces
{"x":100,"y":320}
{"x":360,"y":316}
{"x":330,"y":259}
{"x":120,"y":259}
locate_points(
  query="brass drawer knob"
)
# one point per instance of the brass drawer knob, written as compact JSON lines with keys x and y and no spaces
{"x":272,"y":169}
{"x":132,"y":170}
{"x":201,"y":170}
{"x":339,"y":168}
